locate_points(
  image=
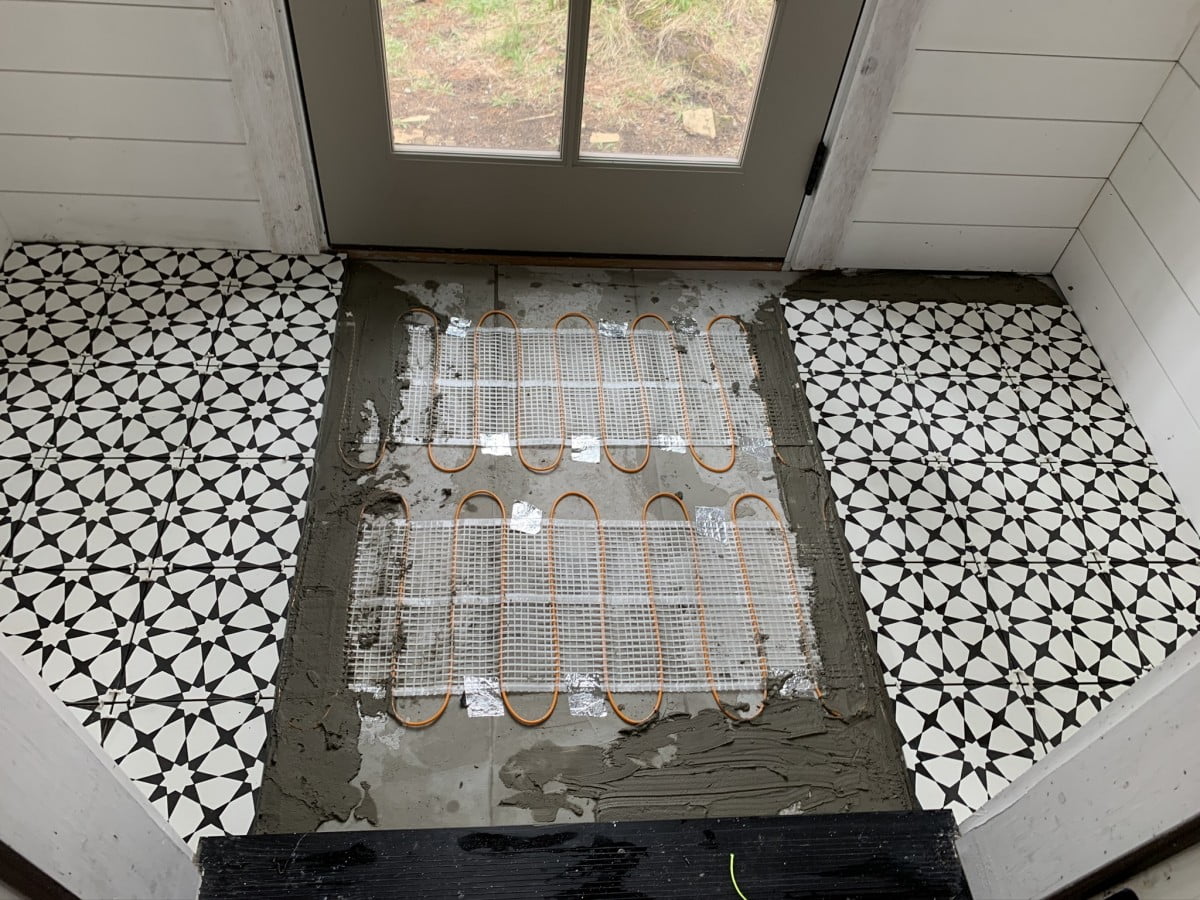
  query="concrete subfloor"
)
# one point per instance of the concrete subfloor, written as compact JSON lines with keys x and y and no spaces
{"x":337,"y":760}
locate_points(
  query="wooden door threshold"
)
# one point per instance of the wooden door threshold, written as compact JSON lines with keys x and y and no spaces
{"x":580,"y":260}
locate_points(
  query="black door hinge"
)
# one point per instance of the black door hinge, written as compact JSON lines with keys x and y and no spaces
{"x":818,"y":166}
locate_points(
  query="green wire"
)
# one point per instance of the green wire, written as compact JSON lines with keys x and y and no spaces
{"x":733,"y":878}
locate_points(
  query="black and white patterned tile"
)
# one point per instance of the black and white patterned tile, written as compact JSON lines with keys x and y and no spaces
{"x":898,"y":511}
{"x":277,"y":326}
{"x":1017,"y":511}
{"x":173,"y":267}
{"x":236,"y":513}
{"x":56,"y":263}
{"x":1062,"y":624}
{"x":208,"y":633}
{"x":153,"y":324}
{"x":47,"y":322}
{"x":93,"y":514}
{"x":199,"y":763}
{"x":1082,"y":420}
{"x":860,"y":416}
{"x":965,"y":742}
{"x":32,"y":398}
{"x":119,"y":412}
{"x":976,"y":418}
{"x":942,"y":338}
{"x":322,"y":271}
{"x":1039,"y":341}
{"x":839,"y":335}
{"x":251,"y":412}
{"x":1130,"y":513}
{"x":932,"y":623}
{"x":72,"y":627}
{"x":1060,"y":710}
{"x":1160,"y":603}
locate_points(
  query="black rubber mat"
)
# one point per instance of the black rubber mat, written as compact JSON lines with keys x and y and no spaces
{"x":907,"y":854}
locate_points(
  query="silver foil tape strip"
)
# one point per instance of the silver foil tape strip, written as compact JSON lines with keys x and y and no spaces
{"x":526,"y":518}
{"x":685,"y":326}
{"x":585,"y":697}
{"x":672,"y":443}
{"x":498,"y":444}
{"x":585,"y":448}
{"x":713,"y":522}
{"x":613,"y":329}
{"x":483,"y":696}
{"x":458,"y":327}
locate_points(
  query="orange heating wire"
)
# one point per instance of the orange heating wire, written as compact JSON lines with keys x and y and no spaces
{"x":341,"y":448}
{"x":637,"y":373}
{"x":700,"y":611}
{"x":395,"y":668}
{"x":562,"y":401}
{"x":433,"y":394}
{"x":724,"y":405}
{"x":792,"y":584}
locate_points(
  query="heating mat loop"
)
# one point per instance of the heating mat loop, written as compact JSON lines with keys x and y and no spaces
{"x":764,"y":567}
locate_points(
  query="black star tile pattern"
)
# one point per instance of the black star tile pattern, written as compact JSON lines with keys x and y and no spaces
{"x":109,"y":586}
{"x":205,"y":633}
{"x":1029,"y":562}
{"x":251,"y":412}
{"x":198,"y":763}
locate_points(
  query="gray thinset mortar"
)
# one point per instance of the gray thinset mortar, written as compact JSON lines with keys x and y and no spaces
{"x":336,"y":760}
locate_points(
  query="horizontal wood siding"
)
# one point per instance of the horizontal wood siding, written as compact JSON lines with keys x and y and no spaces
{"x":118,"y":124}
{"x":1010,"y":116}
{"x":1133,"y":275}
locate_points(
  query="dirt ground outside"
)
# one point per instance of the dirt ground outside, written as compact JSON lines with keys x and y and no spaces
{"x":664,"y":77}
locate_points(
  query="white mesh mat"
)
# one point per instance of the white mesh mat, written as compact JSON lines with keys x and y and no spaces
{"x":559,"y":390}
{"x":432,"y":652}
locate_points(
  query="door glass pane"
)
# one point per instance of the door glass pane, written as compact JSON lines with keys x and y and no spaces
{"x":673,"y":78}
{"x":475,"y":74}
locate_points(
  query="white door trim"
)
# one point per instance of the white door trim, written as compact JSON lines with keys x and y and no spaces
{"x":882,"y":45}
{"x":266,"y":86}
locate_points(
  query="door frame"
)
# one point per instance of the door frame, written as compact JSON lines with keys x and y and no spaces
{"x":280,"y":147}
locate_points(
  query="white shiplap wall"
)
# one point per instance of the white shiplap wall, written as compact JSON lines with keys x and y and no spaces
{"x":1132,"y":273}
{"x":118,"y":124}
{"x":1006,"y":122}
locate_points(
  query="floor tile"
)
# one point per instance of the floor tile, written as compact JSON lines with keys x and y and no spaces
{"x":1016,"y":512}
{"x":250,"y":412}
{"x":835,"y":335}
{"x":155,"y":324}
{"x":942,"y":338}
{"x":975,"y":418}
{"x":31,"y":398}
{"x":1042,"y":340}
{"x":236,"y":513}
{"x":1161,"y":603}
{"x":72,"y":627}
{"x":90,"y":718}
{"x":898,"y":510}
{"x":167,"y":266}
{"x":208,"y":633}
{"x":198,"y":763}
{"x":864,"y":416}
{"x":932,"y":624}
{"x":119,"y":411}
{"x":89,"y":513}
{"x":1082,"y":420}
{"x":277,"y":326}
{"x":1061,"y":623}
{"x":1059,"y":710}
{"x":965,"y":743}
{"x":1130,"y":512}
{"x":322,"y":270}
{"x":46,"y":322}
{"x":84,"y":263}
